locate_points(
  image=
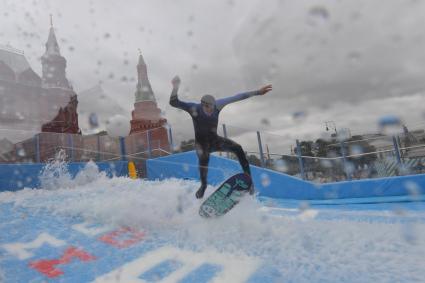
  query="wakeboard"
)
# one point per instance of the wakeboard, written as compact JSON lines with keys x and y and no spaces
{"x":226,"y":196}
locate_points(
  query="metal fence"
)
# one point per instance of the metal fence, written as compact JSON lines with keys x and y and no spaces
{"x":332,"y":160}
{"x":337,"y":158}
{"x":43,"y":147}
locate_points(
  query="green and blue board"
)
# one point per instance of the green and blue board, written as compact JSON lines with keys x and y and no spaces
{"x":226,"y":196}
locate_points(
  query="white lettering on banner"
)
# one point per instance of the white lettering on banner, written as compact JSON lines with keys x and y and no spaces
{"x":20,"y":250}
{"x":89,"y":229}
{"x":234,"y":269}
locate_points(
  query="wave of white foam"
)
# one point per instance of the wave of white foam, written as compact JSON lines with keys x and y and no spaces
{"x":302,"y":248}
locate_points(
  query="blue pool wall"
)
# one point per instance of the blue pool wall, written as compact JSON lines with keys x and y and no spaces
{"x":277,"y":185}
{"x":14,"y":177}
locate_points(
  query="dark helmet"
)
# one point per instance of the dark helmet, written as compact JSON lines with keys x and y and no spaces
{"x":208,"y":99}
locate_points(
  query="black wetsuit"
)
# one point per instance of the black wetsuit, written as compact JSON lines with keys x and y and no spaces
{"x":206,"y":138}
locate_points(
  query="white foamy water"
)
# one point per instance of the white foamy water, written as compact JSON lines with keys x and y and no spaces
{"x":301,"y":246}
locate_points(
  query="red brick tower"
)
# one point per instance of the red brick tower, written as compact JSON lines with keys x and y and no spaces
{"x":62,"y":100}
{"x":146,"y":116}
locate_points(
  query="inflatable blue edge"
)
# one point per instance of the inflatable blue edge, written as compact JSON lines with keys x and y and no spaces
{"x":14,"y":177}
{"x":272,"y":184}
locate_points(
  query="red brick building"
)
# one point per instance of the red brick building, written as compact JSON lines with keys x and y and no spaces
{"x":28,"y":101}
{"x":30,"y":104}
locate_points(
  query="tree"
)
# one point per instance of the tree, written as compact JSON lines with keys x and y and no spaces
{"x":320,"y":148}
{"x":332,"y":148}
{"x":254,"y":160}
{"x":291,"y":164}
{"x":306,"y":148}
{"x":187,"y":145}
{"x":362,"y":146}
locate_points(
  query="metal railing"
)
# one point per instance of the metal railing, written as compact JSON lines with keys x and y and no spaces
{"x":43,"y":147}
{"x":339,"y":159}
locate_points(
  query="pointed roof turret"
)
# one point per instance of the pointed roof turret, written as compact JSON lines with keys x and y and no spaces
{"x":52,"y":46}
{"x":141,"y":60}
{"x":53,"y":64}
{"x":143,"y":89}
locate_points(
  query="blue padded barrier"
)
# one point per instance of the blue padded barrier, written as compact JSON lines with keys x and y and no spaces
{"x":278,"y":185}
{"x":18,"y":176}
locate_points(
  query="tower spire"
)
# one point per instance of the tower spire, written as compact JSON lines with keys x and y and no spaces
{"x":143,"y":89}
{"x":146,"y":114}
{"x":54,"y":64}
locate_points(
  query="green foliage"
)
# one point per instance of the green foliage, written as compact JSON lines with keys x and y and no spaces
{"x":187,"y":145}
{"x":254,"y":160}
{"x":333,"y":148}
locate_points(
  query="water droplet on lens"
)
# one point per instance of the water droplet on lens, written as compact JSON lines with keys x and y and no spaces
{"x":21,"y":152}
{"x":390,"y":125}
{"x":265,"y":180}
{"x":299,"y":116}
{"x":280,"y":165}
{"x":413,"y":189}
{"x":344,"y":134}
{"x":356,"y":149}
{"x":186,"y":167}
{"x":354,"y":57}
{"x":303,"y":206}
{"x":93,"y":120}
{"x":349,"y":168}
{"x":265,"y":122}
{"x":319,"y":12}
{"x":326,"y":163}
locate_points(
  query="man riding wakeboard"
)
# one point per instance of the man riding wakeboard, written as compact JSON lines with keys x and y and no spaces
{"x":205,"y":121}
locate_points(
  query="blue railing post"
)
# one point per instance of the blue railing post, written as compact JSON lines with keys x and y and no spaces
{"x":170,"y":139}
{"x":122,"y":149}
{"x":37,"y":148}
{"x":260,"y":146}
{"x":344,"y":160}
{"x":397,"y":151}
{"x":148,"y":137}
{"x":300,"y":160}
{"x":225,"y":135}
{"x":71,"y":146}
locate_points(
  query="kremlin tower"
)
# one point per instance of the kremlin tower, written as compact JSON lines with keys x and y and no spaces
{"x":63,"y":99}
{"x":54,"y":64}
{"x":146,"y":116}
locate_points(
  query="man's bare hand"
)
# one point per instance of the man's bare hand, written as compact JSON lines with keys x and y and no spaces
{"x":176,"y":82}
{"x":265,"y":89}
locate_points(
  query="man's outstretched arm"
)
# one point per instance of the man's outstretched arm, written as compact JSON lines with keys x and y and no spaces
{"x":174,"y":100}
{"x":220,"y":103}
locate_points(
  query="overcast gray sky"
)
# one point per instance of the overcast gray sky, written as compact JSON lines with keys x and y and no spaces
{"x":346,"y":61}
